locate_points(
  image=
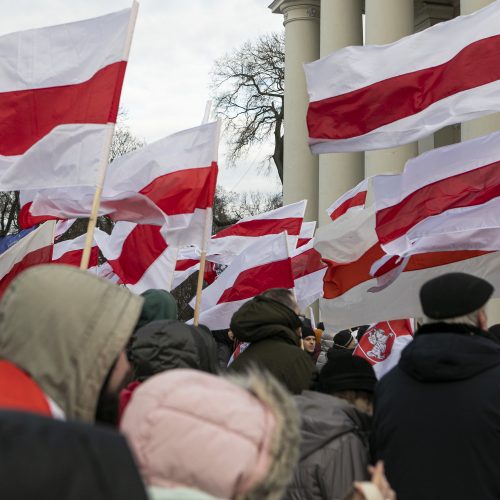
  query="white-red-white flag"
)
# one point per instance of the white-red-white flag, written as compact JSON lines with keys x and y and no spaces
{"x":381,"y":96}
{"x":225,"y":245}
{"x":382,"y":343}
{"x":265,"y":264}
{"x":34,"y":249}
{"x":59,"y":93}
{"x":306,"y":233}
{"x":170,"y":182}
{"x":188,"y":262}
{"x":308,"y":273}
{"x":139,"y":256}
{"x":445,"y":199}
{"x":70,"y":252}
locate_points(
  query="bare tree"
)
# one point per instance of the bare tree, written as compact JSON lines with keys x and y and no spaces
{"x":248,"y":91}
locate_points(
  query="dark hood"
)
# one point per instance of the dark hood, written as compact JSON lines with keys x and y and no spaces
{"x":169,"y":344}
{"x":158,"y":304}
{"x":442,"y":352}
{"x":325,"y":418}
{"x":262,"y":318}
{"x":46,"y":458}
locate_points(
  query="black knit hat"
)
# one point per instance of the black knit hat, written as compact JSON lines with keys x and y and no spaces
{"x":454,"y":294}
{"x":343,"y":338}
{"x":307,"y":330}
{"x":343,"y":372}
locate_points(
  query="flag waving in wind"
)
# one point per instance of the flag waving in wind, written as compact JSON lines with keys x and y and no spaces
{"x":59,"y":93}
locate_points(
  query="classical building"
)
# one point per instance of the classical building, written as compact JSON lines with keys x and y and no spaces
{"x":315,"y":28}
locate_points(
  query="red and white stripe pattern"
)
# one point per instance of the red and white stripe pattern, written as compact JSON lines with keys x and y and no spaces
{"x":265,"y":264}
{"x":59,"y":92}
{"x":353,"y":200}
{"x":139,"y":255}
{"x":70,"y":252}
{"x":171,"y":181}
{"x":32,"y":250}
{"x":308,"y":273}
{"x":382,"y":343}
{"x":306,"y":233}
{"x":446,"y":199}
{"x":381,"y":96}
{"x":188,"y":262}
{"x":232,"y":241}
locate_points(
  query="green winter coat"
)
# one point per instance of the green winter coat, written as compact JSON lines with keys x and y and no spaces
{"x":65,"y":328}
{"x":270,"y":328}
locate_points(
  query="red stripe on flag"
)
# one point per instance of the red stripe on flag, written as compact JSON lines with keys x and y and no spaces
{"x":40,"y":256}
{"x":358,"y":199}
{"x":183,"y":191}
{"x":185,"y":264}
{"x":26,"y":116}
{"x":74,"y":257}
{"x":340,"y":278}
{"x":307,"y":263}
{"x":140,"y":249}
{"x":463,"y":190}
{"x":363,"y":110}
{"x":26,"y":220}
{"x":251,"y":282}
{"x":262,"y":227}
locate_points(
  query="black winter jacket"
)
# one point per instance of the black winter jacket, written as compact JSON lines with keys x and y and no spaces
{"x":437,"y":416}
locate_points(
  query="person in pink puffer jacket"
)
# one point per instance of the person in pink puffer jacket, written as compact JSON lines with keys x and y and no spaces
{"x":199,"y":436}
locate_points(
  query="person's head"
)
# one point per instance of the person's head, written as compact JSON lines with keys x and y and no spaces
{"x":348,"y":377}
{"x":283,"y":296}
{"x":308,"y":336}
{"x":230,"y":437}
{"x":456,"y":298}
{"x":158,"y":304}
{"x":344,"y":340}
{"x":168,"y":344}
{"x":68,"y":329}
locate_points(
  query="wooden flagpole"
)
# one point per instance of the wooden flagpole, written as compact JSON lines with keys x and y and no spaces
{"x":84,"y":264}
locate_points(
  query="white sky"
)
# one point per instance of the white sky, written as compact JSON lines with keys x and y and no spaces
{"x":175,"y":44}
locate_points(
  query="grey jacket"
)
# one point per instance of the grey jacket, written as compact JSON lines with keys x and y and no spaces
{"x":334,"y":448}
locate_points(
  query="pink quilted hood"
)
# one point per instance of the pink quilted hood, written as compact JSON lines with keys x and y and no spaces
{"x":231,"y":437}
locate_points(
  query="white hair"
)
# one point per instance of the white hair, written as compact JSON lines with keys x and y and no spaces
{"x":471,"y":319}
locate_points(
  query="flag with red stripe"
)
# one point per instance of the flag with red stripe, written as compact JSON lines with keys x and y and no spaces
{"x":306,"y":233}
{"x":59,"y":92}
{"x":265,"y":264}
{"x":32,"y":250}
{"x":381,"y":96}
{"x":70,"y":252}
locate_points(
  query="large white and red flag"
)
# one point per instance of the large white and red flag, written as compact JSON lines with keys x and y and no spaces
{"x":70,"y":252}
{"x":33,"y":249}
{"x":308,"y":273}
{"x":139,"y":256}
{"x":445,"y":199}
{"x":225,"y":245}
{"x":381,"y":96}
{"x":265,"y":264}
{"x":59,"y":92}
{"x":382,"y":343}
{"x":170,"y":182}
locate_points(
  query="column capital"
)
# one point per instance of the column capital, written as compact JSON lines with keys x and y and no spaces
{"x":296,"y":10}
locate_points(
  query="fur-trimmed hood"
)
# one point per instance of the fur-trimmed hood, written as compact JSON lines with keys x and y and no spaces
{"x":233,"y":437}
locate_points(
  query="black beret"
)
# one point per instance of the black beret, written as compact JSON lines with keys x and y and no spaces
{"x":454,"y":294}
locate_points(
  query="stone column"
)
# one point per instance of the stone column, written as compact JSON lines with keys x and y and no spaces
{"x":300,"y":172}
{"x":341,"y":25}
{"x":476,"y":128}
{"x":388,"y":21}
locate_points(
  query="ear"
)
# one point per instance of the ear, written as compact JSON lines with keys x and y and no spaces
{"x":482,"y":319}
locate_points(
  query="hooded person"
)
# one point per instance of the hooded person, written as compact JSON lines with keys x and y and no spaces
{"x":271,"y":324}
{"x":166,"y":345}
{"x":336,"y":422}
{"x":62,"y":337}
{"x":45,"y":458}
{"x":200,"y":436}
{"x":158,"y":304}
{"x":437,"y":413}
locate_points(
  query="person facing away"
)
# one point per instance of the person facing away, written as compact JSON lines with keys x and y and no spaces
{"x":437,"y":413}
{"x":166,"y":345}
{"x":63,"y":334}
{"x":271,"y":324}
{"x":342,"y":340}
{"x":200,"y":436}
{"x":44,"y":458}
{"x":336,"y":422}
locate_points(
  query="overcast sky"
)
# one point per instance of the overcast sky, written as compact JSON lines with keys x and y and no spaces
{"x":175,"y":44}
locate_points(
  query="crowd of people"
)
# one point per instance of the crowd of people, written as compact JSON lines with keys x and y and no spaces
{"x":107,"y":395}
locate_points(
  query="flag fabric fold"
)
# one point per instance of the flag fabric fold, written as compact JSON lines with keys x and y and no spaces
{"x":381,"y":96}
